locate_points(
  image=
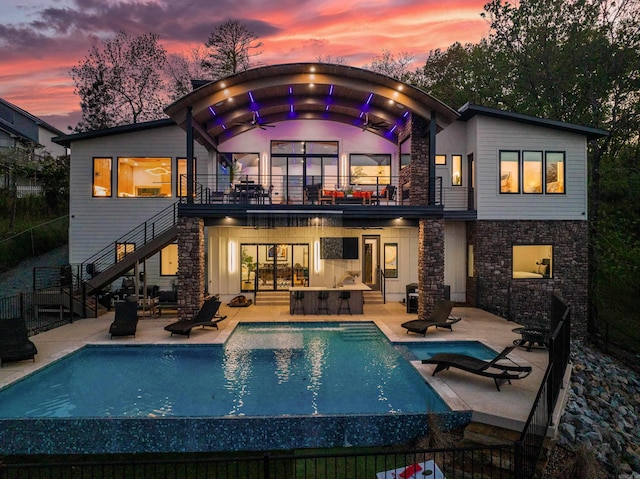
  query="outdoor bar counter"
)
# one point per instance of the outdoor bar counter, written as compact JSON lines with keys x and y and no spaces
{"x":312,"y":305}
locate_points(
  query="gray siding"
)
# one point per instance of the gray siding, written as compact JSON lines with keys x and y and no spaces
{"x":494,"y":135}
{"x":97,"y":222}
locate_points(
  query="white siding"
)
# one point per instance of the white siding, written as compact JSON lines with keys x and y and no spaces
{"x":455,"y":259}
{"x":97,"y":222}
{"x":494,"y":135}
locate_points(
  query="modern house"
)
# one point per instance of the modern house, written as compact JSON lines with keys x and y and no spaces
{"x":318,"y":175}
{"x":20,"y":129}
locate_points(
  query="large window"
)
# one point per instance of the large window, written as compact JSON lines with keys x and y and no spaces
{"x":370,"y":169}
{"x":555,"y":172}
{"x":144,"y":177}
{"x":123,"y":249}
{"x":101,"y":177}
{"x":524,"y":172}
{"x":532,"y":261}
{"x":532,"y":172}
{"x":509,"y":172}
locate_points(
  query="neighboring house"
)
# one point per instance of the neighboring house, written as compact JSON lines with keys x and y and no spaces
{"x":291,"y":170}
{"x":20,"y":129}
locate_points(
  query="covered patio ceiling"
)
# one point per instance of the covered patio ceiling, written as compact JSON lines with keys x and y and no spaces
{"x":267,"y":95}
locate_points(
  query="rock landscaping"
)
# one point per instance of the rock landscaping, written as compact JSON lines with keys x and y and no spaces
{"x":603,"y":413}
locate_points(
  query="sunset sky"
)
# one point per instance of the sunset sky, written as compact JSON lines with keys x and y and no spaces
{"x":41,"y":40}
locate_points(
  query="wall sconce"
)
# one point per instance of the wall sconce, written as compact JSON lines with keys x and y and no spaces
{"x":232,"y":257}
{"x":316,"y":257}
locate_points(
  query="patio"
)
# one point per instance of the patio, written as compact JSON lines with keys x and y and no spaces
{"x":507,"y":409}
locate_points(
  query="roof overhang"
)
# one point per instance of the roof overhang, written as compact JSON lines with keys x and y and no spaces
{"x":228,"y":107}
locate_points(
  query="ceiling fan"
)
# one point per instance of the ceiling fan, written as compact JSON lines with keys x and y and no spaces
{"x":256,"y":122}
{"x":376,"y":125}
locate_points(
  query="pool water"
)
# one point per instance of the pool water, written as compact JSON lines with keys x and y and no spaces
{"x":415,"y":351}
{"x":262,"y":370}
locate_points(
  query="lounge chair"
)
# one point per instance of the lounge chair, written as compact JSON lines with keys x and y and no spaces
{"x":206,"y":317}
{"x":125,"y":321}
{"x":489,"y":369}
{"x":440,"y":318}
{"x":14,"y":341}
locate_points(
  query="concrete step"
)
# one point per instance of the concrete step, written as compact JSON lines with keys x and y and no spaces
{"x":272,"y":298}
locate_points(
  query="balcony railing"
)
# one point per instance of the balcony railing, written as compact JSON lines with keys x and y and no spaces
{"x":315,"y":190}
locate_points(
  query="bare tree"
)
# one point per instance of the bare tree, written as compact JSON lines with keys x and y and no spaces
{"x":230,"y":49}
{"x":397,"y":67}
{"x":331,"y":60}
{"x":120,"y":82}
{"x":182,"y":68}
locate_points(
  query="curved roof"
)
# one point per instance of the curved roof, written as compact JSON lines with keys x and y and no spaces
{"x":225,"y":108}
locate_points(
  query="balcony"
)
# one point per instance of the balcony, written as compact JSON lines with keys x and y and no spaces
{"x":370,"y":197}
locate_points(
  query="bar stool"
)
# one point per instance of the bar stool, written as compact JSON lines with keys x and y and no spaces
{"x":344,"y":296}
{"x":323,"y":305}
{"x":298,"y":297}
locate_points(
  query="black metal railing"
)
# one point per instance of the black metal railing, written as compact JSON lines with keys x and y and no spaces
{"x":488,"y":462}
{"x":42,"y":310}
{"x":540,"y":418}
{"x":308,"y":190}
{"x":127,"y":243}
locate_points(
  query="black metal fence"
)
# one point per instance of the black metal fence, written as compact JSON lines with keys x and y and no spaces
{"x":541,"y":416}
{"x":495,"y":462}
{"x":42,"y":310}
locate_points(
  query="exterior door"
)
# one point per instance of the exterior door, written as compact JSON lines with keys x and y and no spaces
{"x":281,"y":266}
{"x":371,"y":261}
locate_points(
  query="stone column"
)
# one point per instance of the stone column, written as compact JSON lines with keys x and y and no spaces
{"x":430,"y":264}
{"x":191,"y":266}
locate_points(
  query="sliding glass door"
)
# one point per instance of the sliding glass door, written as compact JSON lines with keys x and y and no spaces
{"x":274,"y":266}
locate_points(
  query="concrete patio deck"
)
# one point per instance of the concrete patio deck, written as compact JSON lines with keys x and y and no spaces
{"x":508,"y":408}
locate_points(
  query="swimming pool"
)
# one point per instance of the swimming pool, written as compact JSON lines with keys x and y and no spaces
{"x":271,"y":386}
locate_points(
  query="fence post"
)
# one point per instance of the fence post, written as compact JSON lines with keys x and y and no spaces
{"x":265,"y":466}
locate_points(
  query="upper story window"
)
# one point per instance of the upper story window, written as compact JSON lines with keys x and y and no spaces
{"x":532,"y":172}
{"x":555,"y":182}
{"x":370,"y":169}
{"x":405,"y":153}
{"x":456,"y":170}
{"x":441,"y":159}
{"x":523,"y":171}
{"x":144,"y":177}
{"x":509,"y":172}
{"x":101,"y":177}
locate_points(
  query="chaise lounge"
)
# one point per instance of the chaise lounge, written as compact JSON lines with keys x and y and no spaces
{"x":206,"y":317}
{"x":490,"y":369}
{"x":15,"y":344}
{"x":125,"y":321}
{"x":440,"y":318}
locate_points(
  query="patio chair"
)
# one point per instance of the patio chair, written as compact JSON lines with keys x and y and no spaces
{"x":15,"y":344}
{"x":490,"y":369}
{"x":125,"y":321}
{"x":206,"y":317}
{"x":440,"y":318}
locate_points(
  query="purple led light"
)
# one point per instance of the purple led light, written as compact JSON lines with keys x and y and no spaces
{"x":393,"y":129}
{"x":406,"y":114}
{"x":213,"y":112}
{"x":290,"y":90}
{"x":370,"y":98}
{"x":251,"y":97}
{"x":330,"y":90}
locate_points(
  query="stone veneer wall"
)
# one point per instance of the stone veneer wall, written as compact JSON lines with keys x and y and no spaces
{"x":528,"y":300}
{"x":430,"y":265}
{"x":419,"y":193}
{"x":191,"y":266}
